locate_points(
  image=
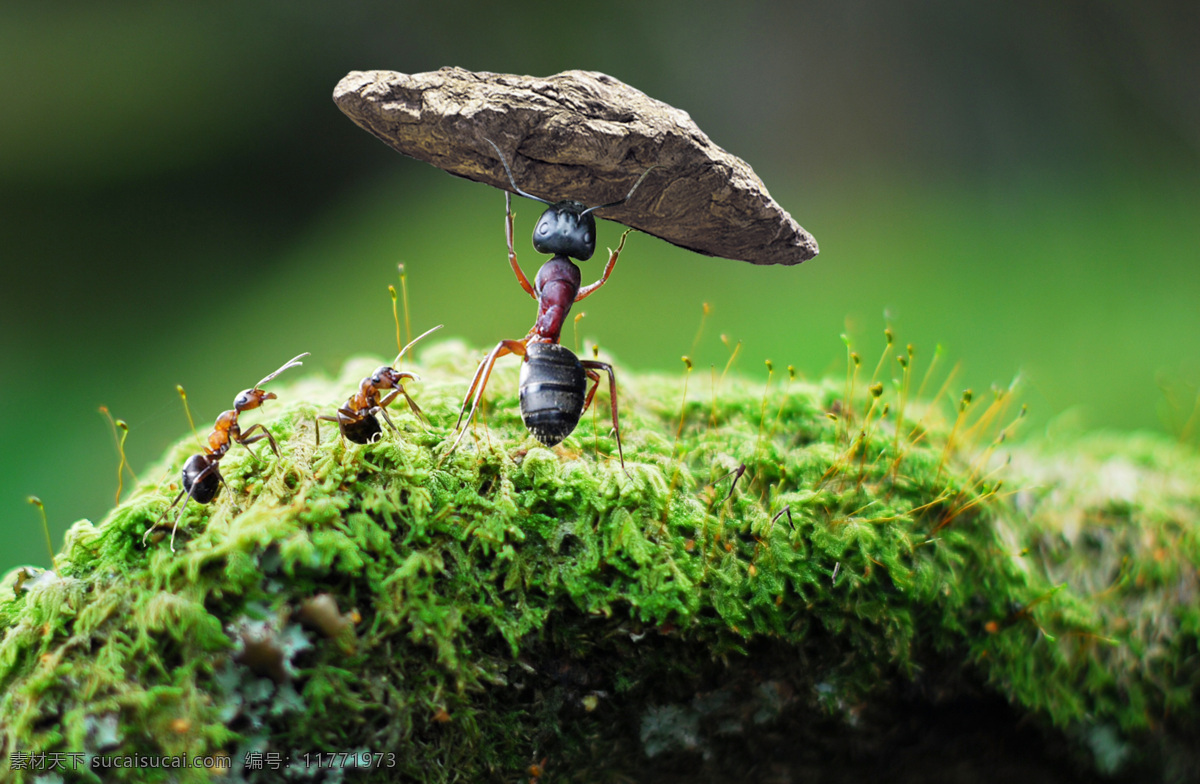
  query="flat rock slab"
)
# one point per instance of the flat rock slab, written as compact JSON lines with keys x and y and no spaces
{"x":586,"y":136}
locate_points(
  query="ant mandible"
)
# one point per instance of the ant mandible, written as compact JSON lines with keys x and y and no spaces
{"x":553,"y":380}
{"x":201,"y":475}
{"x":357,"y":420}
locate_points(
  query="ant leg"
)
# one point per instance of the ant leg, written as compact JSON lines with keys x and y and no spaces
{"x":512,"y":252}
{"x":412,"y":404}
{"x":479,"y":382}
{"x":317,"y":425}
{"x":179,"y":519}
{"x":587,"y":401}
{"x":588,"y":365}
{"x":150,"y":530}
{"x":499,"y":351}
{"x":200,"y":477}
{"x":208,"y":469}
{"x":608,"y":268}
{"x":246,"y":442}
{"x":341,"y":411}
{"x":381,"y":410}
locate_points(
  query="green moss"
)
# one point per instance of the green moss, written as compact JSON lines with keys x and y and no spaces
{"x":509,"y":603}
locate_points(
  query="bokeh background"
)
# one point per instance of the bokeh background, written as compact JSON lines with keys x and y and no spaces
{"x":181,"y":202}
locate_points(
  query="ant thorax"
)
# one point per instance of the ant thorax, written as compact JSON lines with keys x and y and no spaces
{"x":366,"y":397}
{"x":385,"y":377}
{"x":556,"y":284}
{"x":224,"y":428}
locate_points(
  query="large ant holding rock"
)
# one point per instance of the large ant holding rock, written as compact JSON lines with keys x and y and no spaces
{"x":357,"y":420}
{"x":553,"y":380}
{"x":201,"y":475}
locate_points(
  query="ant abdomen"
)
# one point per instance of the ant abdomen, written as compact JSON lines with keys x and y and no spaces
{"x":201,"y":479}
{"x":366,"y":430}
{"x":552,"y":387}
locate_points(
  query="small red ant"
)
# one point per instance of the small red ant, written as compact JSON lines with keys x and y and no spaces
{"x":553,"y":380}
{"x":357,"y":420}
{"x":201,"y":475}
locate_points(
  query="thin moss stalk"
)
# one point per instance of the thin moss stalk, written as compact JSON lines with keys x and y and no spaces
{"x":791,"y":579}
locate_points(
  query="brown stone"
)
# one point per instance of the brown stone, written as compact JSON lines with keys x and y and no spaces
{"x":586,"y":136}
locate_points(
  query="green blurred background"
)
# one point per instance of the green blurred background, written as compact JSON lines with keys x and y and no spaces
{"x":181,"y":202}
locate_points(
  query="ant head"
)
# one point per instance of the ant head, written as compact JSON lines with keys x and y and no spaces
{"x":384,"y":377}
{"x":387,"y":377}
{"x":568,"y":229}
{"x":253,"y":398}
{"x":249,"y":399}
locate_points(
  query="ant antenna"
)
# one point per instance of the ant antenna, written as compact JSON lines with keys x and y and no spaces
{"x":512,"y":181}
{"x":293,"y":362}
{"x":414,"y":340}
{"x":622,"y":201}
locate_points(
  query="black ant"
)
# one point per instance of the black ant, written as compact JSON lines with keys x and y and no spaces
{"x":357,"y":420}
{"x":201,"y":475}
{"x":553,"y":380}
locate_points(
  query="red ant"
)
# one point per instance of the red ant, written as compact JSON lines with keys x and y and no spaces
{"x":553,"y":380}
{"x":201,"y":474}
{"x":357,"y":420}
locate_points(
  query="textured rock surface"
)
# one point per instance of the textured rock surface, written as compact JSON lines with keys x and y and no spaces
{"x":581,"y":135}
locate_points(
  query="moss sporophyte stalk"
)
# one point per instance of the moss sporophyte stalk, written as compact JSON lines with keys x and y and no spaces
{"x":793,"y":577}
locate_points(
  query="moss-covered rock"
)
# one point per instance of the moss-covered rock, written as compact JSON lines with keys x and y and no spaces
{"x":780,"y":585}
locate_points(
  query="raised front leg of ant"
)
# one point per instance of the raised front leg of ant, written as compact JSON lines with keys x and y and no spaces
{"x":379,"y":409}
{"x":608,"y":268}
{"x":479,"y":382}
{"x":246,"y":441}
{"x":412,"y":404}
{"x":590,"y":366}
{"x":512,"y":251}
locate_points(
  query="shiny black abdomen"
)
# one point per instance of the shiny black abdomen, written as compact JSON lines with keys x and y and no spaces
{"x":364,"y":431}
{"x":552,"y":390}
{"x":201,"y":479}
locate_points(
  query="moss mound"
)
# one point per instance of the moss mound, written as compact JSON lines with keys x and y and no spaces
{"x":793,"y":587}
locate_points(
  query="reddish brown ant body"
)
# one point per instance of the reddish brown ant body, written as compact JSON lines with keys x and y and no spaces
{"x":201,"y":475}
{"x":553,"y":380}
{"x":357,"y":420}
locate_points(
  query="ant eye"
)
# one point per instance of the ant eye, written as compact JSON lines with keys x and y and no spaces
{"x":543,"y":229}
{"x":587,"y":238}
